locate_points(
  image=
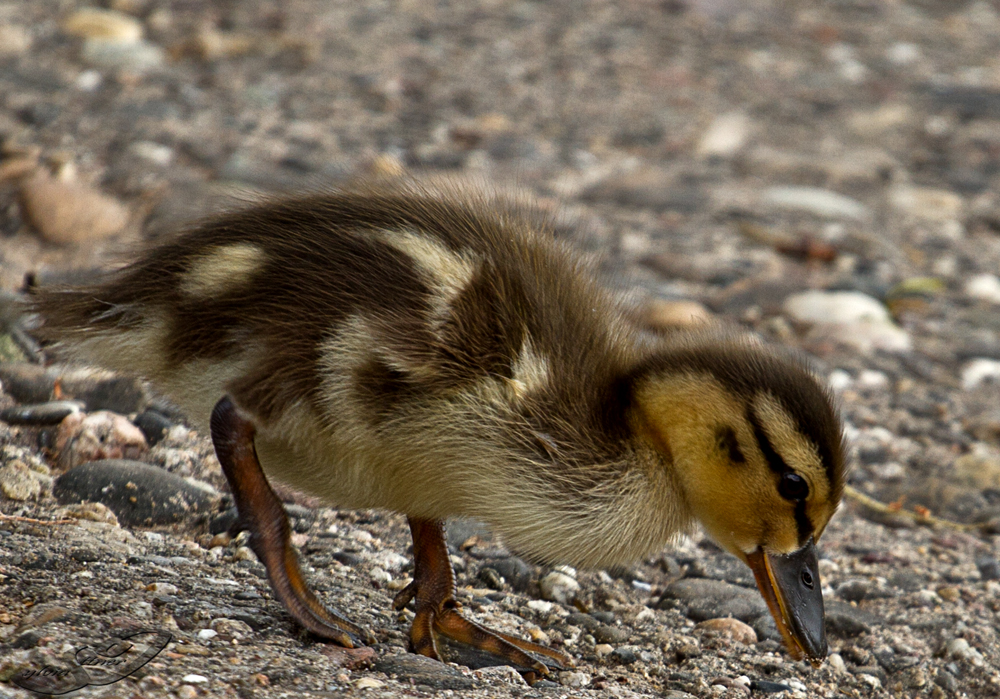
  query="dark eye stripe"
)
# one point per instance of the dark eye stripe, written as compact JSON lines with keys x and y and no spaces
{"x":778,"y":465}
{"x":773,"y":458}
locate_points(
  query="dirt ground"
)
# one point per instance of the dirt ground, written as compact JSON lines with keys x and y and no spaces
{"x":824,"y":174}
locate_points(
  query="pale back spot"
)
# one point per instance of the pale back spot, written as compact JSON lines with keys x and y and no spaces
{"x":448,"y":271}
{"x":222,"y":269}
{"x":530,"y":370}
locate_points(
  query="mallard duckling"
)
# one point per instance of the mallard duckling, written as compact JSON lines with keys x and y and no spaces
{"x":445,"y":356}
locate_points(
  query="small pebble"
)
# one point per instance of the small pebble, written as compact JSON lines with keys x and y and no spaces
{"x":985,"y":287}
{"x":163,"y":588}
{"x":138,"y":57}
{"x":869,"y":379}
{"x":835,"y":307}
{"x":153,"y":152}
{"x":949,"y":594}
{"x":502,"y":675}
{"x":959,"y":649}
{"x":540,"y":606}
{"x":95,"y":436}
{"x":194,"y":679}
{"x":186,"y":691}
{"x":819,"y":202}
{"x":558,"y":587}
{"x":989,"y":567}
{"x":18,"y":482}
{"x":733,"y":628}
{"x":14,"y":40}
{"x":108,"y":25}
{"x":980,"y":371}
{"x":368,"y":683}
{"x":574,"y":680}
{"x":380,"y":576}
{"x":836,"y":662}
{"x":70,"y":212}
{"x":661,"y":314}
{"x":725,"y":136}
{"x":206,"y":634}
{"x":839,"y":380}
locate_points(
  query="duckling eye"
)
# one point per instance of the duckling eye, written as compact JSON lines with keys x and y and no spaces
{"x":807,"y":579}
{"x":725,"y":437}
{"x":793,"y":487}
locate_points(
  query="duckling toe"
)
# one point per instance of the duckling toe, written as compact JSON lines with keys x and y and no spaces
{"x":438,"y":617}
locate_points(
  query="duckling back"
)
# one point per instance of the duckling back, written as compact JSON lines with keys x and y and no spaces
{"x":400,"y":350}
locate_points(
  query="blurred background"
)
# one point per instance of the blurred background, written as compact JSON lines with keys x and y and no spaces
{"x":823,"y":173}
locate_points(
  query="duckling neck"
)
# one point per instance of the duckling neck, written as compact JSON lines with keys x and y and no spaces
{"x":582,"y":495}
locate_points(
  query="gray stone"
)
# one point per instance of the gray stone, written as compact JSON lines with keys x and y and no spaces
{"x":138,"y":494}
{"x":422,"y":670}
{"x":989,"y":567}
{"x":516,"y":572}
{"x":846,"y":621}
{"x":603,"y":633}
{"x":624,"y":655}
{"x":711,"y":599}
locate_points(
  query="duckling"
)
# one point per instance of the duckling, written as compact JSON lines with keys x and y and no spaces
{"x":444,"y":355}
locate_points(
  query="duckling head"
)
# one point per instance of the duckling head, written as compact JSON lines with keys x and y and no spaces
{"x":757,"y":454}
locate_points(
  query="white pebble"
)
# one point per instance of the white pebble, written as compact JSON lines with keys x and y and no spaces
{"x":872,"y":379}
{"x":207,"y":634}
{"x":837,"y":663}
{"x":839,"y":380}
{"x":360,"y":535}
{"x":725,"y":136}
{"x":540,"y":606}
{"x":796,"y":684}
{"x":368,"y":683}
{"x":835,"y":307}
{"x":194,"y":679}
{"x":979,"y":371}
{"x":985,"y":287}
{"x":88,"y":80}
{"x":379,"y":575}
{"x":959,"y":649}
{"x":819,"y":202}
{"x":156,"y":153}
{"x":575,"y":680}
{"x":558,"y":587}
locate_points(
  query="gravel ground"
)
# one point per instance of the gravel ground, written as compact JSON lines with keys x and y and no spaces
{"x":824,"y":174}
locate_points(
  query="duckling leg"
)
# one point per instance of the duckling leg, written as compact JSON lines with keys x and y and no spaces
{"x":261,"y":512}
{"x":433,"y":587}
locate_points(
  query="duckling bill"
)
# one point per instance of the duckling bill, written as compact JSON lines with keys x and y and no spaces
{"x":441,"y":355}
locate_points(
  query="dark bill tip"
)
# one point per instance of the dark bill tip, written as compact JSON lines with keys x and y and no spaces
{"x":791,"y":587}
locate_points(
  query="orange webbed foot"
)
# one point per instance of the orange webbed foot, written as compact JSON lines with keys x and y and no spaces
{"x":438,"y":612}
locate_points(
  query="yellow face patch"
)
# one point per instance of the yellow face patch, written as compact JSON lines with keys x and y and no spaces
{"x":737,"y":501}
{"x":222,"y":269}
